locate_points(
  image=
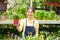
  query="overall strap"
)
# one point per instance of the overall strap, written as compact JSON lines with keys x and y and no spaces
{"x":26,"y":21}
{"x":33,"y":22}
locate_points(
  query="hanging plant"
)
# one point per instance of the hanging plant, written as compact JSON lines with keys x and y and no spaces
{"x":48,"y":3}
{"x":56,"y":4}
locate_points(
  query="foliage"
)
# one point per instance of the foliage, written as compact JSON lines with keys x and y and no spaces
{"x":40,"y":2}
{"x":45,"y":15}
{"x":19,"y":11}
{"x":5,"y":28}
{"x":16,"y":17}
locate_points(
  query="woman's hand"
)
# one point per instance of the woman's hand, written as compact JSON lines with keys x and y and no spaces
{"x":29,"y":33}
{"x":16,"y":25}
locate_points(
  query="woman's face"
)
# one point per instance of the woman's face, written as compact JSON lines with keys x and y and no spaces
{"x":30,"y":13}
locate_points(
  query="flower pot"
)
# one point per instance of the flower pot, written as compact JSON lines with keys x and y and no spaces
{"x":16,"y":22}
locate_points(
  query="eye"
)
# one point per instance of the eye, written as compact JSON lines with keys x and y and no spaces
{"x":30,"y":12}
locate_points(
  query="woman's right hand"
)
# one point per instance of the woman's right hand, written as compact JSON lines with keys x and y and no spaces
{"x":15,"y":25}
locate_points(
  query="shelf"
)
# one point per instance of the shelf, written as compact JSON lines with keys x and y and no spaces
{"x":7,"y":22}
{"x":40,"y":22}
{"x":48,"y":22}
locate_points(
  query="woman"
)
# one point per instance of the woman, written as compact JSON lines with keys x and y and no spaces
{"x":29,"y":25}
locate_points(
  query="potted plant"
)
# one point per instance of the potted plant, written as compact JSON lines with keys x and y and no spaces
{"x":16,"y":20}
{"x":56,"y":4}
{"x":48,"y":2}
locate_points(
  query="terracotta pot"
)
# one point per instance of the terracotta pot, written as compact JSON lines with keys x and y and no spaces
{"x":16,"y":22}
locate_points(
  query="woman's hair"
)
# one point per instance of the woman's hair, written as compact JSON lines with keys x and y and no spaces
{"x":31,"y":9}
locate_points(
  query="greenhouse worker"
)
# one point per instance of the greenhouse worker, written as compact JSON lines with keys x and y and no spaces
{"x":29,"y":25}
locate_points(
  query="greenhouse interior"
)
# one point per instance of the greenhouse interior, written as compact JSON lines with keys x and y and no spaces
{"x":47,"y":12}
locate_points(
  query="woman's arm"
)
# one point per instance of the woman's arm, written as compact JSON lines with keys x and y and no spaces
{"x":36,"y":28}
{"x":19,"y":28}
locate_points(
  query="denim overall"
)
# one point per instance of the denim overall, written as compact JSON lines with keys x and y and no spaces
{"x":29,"y":29}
